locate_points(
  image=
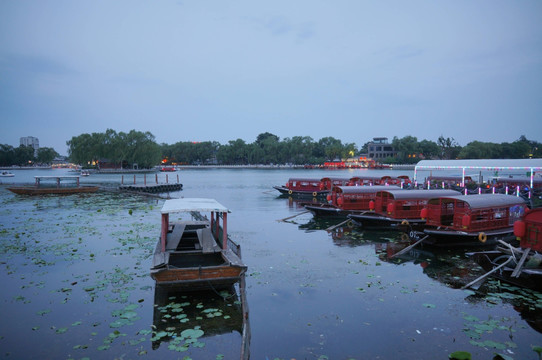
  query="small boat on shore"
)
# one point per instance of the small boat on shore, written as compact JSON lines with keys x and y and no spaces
{"x":398,"y":209}
{"x":472,"y":219}
{"x":196,"y":254}
{"x":61,"y":185}
{"x":346,"y":200}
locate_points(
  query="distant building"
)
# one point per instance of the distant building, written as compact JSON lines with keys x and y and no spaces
{"x":31,"y":141}
{"x":379,"y":149}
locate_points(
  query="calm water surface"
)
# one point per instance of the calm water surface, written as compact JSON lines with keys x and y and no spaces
{"x":76,"y":285}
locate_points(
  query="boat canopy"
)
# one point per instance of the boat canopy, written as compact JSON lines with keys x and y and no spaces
{"x":193,"y":204}
{"x":531,"y":165}
{"x":365,"y":189}
{"x":398,"y":194}
{"x":483,"y":201}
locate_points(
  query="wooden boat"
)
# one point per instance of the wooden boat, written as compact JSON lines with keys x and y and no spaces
{"x":448,"y":182}
{"x":62,"y":185}
{"x":398,"y":209}
{"x":328,"y":183}
{"x":516,"y":185}
{"x":472,"y":219}
{"x":196,"y":254}
{"x":401,"y":180}
{"x":518,"y":266}
{"x":345,"y":200}
{"x":302,"y":187}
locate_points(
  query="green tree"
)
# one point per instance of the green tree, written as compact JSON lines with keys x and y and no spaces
{"x":408,"y":149}
{"x":46,"y":155}
{"x":7,"y":155}
{"x":24,"y":155}
{"x":449,"y":148}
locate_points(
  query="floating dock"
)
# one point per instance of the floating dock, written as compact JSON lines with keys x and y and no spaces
{"x":152,"y":188}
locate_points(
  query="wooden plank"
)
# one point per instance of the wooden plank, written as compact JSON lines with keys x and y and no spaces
{"x":487,"y":274}
{"x":291,"y":217}
{"x":207,"y":241}
{"x":174,"y":238}
{"x":517,"y":270}
{"x":233,"y":258}
{"x":409,"y":247}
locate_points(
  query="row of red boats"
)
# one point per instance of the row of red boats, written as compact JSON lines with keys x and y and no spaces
{"x":436,"y":216}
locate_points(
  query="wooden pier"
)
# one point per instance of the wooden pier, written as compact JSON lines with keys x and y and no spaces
{"x":151,"y":187}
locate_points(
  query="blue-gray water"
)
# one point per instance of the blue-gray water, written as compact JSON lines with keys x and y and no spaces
{"x":75,"y":282}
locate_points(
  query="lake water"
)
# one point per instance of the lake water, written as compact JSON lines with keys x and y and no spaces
{"x":75,"y":282}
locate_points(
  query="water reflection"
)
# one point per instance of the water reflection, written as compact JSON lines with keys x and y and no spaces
{"x":183,"y":321}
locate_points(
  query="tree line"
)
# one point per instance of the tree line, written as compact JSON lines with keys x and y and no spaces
{"x":25,"y":155}
{"x":135,"y":147}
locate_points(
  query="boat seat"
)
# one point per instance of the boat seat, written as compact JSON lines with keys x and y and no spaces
{"x":207,"y":241}
{"x":233,"y":258}
{"x":160,"y":259}
{"x":174,"y":237}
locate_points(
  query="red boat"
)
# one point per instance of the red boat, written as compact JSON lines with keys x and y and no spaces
{"x":447,"y":182}
{"x":345,"y":200}
{"x":513,"y":185}
{"x":472,"y":219}
{"x":399,"y":209}
{"x":328,"y":183}
{"x":379,"y":180}
{"x":302,"y":187}
{"x":167,"y":169}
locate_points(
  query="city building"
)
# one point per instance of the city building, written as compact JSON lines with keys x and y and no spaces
{"x":31,"y":141}
{"x":379,"y":149}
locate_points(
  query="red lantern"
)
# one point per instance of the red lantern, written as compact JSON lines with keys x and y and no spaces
{"x":339,"y":200}
{"x":371,"y":205}
{"x":390,"y":208}
{"x":423,"y":213}
{"x":328,"y":197}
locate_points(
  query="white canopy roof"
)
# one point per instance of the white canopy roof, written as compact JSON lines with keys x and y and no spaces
{"x":483,"y":164}
{"x":193,"y":204}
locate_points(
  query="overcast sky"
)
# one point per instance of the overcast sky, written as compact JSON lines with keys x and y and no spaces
{"x":226,"y":70}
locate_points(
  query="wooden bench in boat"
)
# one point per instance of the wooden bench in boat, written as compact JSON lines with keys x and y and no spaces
{"x":207,"y":241}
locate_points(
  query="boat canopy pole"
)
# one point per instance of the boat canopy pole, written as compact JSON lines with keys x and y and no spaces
{"x":165,"y":227}
{"x":224,"y":230}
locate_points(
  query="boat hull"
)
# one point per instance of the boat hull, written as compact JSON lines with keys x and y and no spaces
{"x":304,"y":194}
{"x":197,"y":279}
{"x":444,"y":237}
{"x":24,"y":190}
{"x":380,"y":222}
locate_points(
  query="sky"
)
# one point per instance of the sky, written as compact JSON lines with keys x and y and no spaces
{"x":225,"y":70}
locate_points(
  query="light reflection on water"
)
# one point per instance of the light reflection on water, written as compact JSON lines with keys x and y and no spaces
{"x":76,"y":283}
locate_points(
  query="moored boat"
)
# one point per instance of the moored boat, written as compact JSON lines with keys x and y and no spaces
{"x":472,"y":219}
{"x":398,"y":209}
{"x":345,"y":200}
{"x":61,"y":185}
{"x":196,"y":254}
{"x":6,"y":174}
{"x":302,"y":187}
